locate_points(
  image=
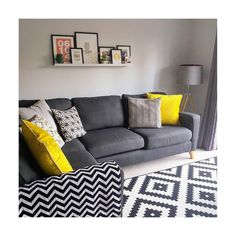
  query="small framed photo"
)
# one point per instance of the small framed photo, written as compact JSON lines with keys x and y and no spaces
{"x":126,"y":53}
{"x":89,"y":43}
{"x":104,"y":53}
{"x":61,"y":45}
{"x":116,"y":56}
{"x":77,"y":55}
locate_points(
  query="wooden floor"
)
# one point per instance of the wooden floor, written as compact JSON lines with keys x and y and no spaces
{"x":165,"y":163}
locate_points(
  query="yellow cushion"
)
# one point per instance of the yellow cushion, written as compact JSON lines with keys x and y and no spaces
{"x":45,"y":149}
{"x":169,"y":107}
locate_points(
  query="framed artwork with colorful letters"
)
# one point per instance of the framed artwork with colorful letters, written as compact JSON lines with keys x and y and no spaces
{"x":61,"y":45}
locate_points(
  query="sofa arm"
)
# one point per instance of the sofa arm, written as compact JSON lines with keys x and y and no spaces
{"x":94,"y":191}
{"x":192,"y":122}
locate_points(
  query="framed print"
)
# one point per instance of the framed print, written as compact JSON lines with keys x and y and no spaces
{"x":104,"y":53}
{"x":116,"y":56}
{"x":61,"y":45}
{"x":126,"y":53}
{"x":77,"y":55}
{"x":89,"y":43}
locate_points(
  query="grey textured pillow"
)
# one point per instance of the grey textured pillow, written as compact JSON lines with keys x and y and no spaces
{"x":42,"y":123}
{"x":144,"y":113}
{"x":41,"y":109}
{"x":70,"y":123}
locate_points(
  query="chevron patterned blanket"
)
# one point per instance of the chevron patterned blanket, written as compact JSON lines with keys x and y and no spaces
{"x":94,"y":191}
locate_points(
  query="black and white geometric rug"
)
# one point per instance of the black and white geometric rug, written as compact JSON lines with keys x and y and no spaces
{"x":183,"y":191}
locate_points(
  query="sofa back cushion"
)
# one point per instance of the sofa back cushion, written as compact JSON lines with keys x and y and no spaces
{"x":100,"y":112}
{"x":59,"y":103}
{"x":56,"y":103}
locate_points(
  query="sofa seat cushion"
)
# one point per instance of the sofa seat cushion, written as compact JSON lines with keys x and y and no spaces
{"x":165,"y":136}
{"x":77,"y":155}
{"x":110,"y":141}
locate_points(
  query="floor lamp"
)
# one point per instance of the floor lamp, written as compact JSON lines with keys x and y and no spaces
{"x":189,"y":74}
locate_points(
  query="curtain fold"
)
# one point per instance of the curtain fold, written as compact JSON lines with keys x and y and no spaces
{"x":207,"y":139}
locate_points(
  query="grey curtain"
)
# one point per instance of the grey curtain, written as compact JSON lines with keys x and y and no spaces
{"x":207,"y":139}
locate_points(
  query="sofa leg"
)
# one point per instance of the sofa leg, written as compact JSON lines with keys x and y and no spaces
{"x":192,"y":154}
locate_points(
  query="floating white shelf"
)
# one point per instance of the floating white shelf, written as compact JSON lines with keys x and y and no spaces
{"x":91,"y":65}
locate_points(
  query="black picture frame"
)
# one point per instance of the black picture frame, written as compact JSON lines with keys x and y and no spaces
{"x":64,"y":50}
{"x":71,"y":55}
{"x":127,"y":49}
{"x":100,"y":48}
{"x":113,"y":59}
{"x":88,"y":39}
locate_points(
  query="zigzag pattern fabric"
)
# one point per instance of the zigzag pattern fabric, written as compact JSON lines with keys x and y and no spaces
{"x":94,"y":191}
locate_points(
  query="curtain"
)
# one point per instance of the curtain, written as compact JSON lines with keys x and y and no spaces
{"x":207,"y":139}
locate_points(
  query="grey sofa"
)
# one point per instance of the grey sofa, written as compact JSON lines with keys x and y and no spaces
{"x":108,"y":137}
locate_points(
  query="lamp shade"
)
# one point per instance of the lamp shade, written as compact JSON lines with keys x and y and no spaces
{"x":190,"y":74}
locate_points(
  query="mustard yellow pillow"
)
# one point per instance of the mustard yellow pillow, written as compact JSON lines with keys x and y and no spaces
{"x":45,"y":149}
{"x":169,"y":107}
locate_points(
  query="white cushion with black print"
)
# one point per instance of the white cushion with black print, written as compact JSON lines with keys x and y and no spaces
{"x":70,"y":123}
{"x":45,"y":125}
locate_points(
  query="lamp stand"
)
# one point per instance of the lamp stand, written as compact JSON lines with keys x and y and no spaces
{"x":187,"y":98}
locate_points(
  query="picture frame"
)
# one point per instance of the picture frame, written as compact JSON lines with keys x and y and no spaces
{"x":104,"y":53}
{"x":77,"y":55}
{"x":116,"y":56}
{"x":88,"y":41}
{"x":126,"y":53}
{"x":61,"y":45}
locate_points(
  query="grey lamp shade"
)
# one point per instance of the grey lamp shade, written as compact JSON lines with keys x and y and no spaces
{"x":190,"y":74}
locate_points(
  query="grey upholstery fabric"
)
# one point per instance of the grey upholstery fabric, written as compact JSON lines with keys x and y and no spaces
{"x":166,"y":136}
{"x":56,"y":103}
{"x":26,"y":103}
{"x":77,"y":155}
{"x":144,"y":113}
{"x":110,"y":141}
{"x":192,"y":122}
{"x":126,"y":106}
{"x":100,"y":112}
{"x":28,"y":168}
{"x":143,"y":155}
{"x":59,"y":103}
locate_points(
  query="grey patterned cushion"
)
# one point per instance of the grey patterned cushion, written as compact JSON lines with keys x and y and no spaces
{"x":41,"y":109}
{"x":70,"y":123}
{"x":44,"y":124}
{"x":144,"y":113}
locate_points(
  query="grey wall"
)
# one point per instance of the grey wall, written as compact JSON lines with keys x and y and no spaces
{"x":201,"y":52}
{"x":158,"y":46}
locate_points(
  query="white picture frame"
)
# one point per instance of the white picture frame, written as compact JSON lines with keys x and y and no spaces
{"x":89,"y":43}
{"x":77,"y":56}
{"x":116,"y":56}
